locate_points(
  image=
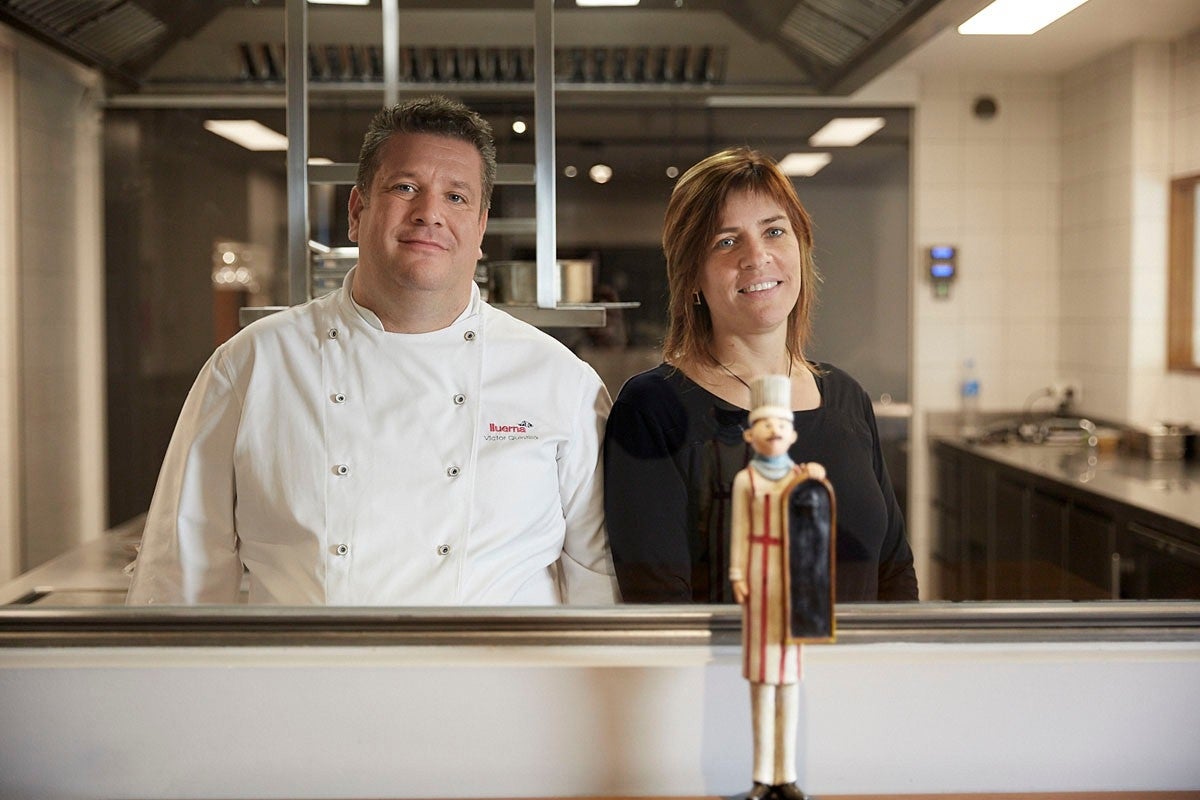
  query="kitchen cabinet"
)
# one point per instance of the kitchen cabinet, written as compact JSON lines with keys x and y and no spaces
{"x":1008,"y":533}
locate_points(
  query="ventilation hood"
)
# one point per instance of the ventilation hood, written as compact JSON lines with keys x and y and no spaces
{"x":794,"y":47}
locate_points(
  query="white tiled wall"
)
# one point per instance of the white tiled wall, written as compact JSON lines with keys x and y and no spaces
{"x":991,"y":187}
{"x":1131,"y":122}
{"x":10,"y":362}
{"x":1182,"y":390}
{"x":1059,"y":206}
{"x":60,"y":303}
{"x":1118,"y":142}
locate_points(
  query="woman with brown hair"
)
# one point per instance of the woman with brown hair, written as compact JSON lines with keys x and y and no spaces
{"x":738,"y":245}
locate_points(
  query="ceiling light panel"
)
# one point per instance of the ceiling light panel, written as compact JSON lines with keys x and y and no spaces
{"x":250,"y":134}
{"x":1017,"y":17}
{"x":804,"y":165}
{"x":845,"y":131}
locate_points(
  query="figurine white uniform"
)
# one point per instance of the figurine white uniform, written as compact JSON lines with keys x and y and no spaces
{"x":758,"y":551}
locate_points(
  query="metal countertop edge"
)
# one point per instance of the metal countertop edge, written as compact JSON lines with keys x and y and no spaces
{"x":646,"y":626}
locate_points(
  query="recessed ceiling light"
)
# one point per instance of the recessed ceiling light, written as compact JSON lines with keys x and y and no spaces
{"x":518,"y":125}
{"x":570,"y":171}
{"x":804,"y":164}
{"x":672,"y":171}
{"x":600,"y":173}
{"x":250,"y":134}
{"x":1017,"y":17}
{"x":598,"y":3}
{"x":845,"y":131}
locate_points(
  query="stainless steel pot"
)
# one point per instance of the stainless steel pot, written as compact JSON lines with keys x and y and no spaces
{"x":515,"y":282}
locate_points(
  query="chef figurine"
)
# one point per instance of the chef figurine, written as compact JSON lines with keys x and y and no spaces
{"x":781,"y":571}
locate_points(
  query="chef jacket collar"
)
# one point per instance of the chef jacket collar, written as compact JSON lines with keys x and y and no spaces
{"x":372,"y":319}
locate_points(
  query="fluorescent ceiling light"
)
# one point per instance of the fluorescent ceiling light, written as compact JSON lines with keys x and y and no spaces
{"x":845,"y":131}
{"x":250,"y":134}
{"x":318,"y":161}
{"x":804,"y":165}
{"x":597,"y":3}
{"x":340,"y":2}
{"x":1017,"y":17}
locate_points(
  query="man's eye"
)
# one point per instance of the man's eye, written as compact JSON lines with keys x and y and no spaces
{"x":728,"y":241}
{"x":403,"y":187}
{"x":457,"y":198}
{"x":775,"y":232}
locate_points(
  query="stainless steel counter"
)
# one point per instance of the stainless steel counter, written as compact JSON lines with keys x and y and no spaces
{"x":89,"y":575}
{"x":1168,"y":488}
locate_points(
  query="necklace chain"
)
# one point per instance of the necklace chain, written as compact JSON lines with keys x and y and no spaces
{"x":738,"y":378}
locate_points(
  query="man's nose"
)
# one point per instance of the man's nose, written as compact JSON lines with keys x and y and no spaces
{"x":424,"y":210}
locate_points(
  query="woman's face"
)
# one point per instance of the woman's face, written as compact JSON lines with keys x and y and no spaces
{"x":750,"y":278}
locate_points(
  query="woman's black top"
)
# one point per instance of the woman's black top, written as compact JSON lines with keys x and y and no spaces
{"x":671,"y":452}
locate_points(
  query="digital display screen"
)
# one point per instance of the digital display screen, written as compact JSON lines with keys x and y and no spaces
{"x":941,"y":269}
{"x":941,"y":253}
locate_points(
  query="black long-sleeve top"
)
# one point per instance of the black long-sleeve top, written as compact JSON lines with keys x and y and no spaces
{"x":671,"y":452}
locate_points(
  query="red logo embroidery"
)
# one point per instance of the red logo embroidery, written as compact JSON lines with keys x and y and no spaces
{"x":521,"y":427}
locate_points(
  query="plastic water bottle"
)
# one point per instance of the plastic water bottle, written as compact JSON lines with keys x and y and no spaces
{"x":968,"y":399}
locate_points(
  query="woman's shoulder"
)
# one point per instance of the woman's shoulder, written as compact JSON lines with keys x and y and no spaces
{"x":838,"y":387}
{"x":652,"y":387}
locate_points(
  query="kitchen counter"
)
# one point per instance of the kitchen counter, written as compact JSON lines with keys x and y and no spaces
{"x":1168,"y":489}
{"x":91,"y":574}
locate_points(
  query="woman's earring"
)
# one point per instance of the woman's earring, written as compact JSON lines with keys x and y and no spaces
{"x":696,"y":298}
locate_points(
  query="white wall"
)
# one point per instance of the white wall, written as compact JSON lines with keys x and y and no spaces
{"x":1117,"y":163}
{"x":991,"y":187}
{"x":1183,"y":390}
{"x":572,"y":721}
{"x":57,"y":292}
{"x":10,"y":363}
{"x":1059,"y":206}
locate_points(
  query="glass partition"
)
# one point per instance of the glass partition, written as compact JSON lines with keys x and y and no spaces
{"x":196,"y":227}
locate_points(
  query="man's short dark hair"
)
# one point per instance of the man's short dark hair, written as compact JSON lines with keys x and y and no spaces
{"x":436,"y":115}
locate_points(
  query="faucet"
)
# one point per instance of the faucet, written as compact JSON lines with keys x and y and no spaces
{"x":1067,"y":429}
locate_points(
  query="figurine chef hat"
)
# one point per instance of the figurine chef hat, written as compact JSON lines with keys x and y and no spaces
{"x":771,"y":396}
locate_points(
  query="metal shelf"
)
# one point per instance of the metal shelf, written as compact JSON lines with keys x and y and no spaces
{"x":566,"y":315}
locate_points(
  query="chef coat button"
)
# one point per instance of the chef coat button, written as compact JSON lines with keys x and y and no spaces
{"x":443,"y":550}
{"x":459,"y":399}
{"x":342,"y":549}
{"x":453,"y":472}
{"x":333,"y":333}
{"x":339,"y":398}
{"x":469,"y":336}
{"x":342,"y":469}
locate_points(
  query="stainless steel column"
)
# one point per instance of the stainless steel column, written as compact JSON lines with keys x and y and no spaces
{"x":543,"y":112}
{"x":391,"y":52}
{"x":297,"y":151}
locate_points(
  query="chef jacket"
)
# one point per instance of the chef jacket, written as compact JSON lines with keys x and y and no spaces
{"x":341,"y":464}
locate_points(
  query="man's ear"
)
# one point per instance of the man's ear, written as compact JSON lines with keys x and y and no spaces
{"x":748,"y":434}
{"x":353,"y":210}
{"x":792,"y":437}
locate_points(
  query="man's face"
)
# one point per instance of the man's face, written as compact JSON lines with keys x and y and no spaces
{"x":420,"y":227}
{"x":771,"y":436}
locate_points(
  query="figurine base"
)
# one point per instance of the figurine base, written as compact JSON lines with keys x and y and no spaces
{"x":786,"y":791}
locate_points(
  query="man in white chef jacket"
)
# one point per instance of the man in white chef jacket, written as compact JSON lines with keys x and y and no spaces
{"x":396,"y":442}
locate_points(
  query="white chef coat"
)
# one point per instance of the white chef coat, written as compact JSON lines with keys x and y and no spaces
{"x":341,"y":464}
